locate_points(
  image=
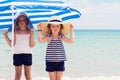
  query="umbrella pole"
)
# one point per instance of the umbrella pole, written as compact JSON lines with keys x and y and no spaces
{"x":11,"y":71}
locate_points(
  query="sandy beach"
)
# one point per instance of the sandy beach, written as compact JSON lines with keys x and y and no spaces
{"x":80,"y":78}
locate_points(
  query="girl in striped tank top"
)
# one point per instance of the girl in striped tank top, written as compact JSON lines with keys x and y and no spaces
{"x":55,"y":53}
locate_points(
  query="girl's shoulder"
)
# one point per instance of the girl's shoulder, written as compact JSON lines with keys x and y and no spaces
{"x":61,"y":35}
{"x":22,"y":32}
{"x":47,"y":37}
{"x":16,"y":31}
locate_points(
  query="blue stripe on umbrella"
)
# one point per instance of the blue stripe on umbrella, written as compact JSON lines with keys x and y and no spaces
{"x":5,"y":19}
{"x":42,"y":7}
{"x":45,"y":1}
{"x":5,"y":26}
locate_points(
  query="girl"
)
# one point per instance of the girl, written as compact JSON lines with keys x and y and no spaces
{"x":23,"y":42}
{"x":55,"y":54}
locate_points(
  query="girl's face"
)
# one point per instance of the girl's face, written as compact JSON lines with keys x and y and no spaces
{"x":22,"y":22}
{"x":55,"y":28}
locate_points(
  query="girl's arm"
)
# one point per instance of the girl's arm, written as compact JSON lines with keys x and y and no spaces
{"x":5,"y":33}
{"x":42,"y":39}
{"x":71,"y":39}
{"x":32,"y":40}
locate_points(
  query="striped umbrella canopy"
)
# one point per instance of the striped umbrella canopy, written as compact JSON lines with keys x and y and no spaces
{"x":37,"y":10}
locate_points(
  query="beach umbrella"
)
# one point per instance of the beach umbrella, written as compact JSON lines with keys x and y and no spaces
{"x":37,"y":10}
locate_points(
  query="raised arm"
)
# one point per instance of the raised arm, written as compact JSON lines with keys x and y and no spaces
{"x":32,"y":40}
{"x":41,"y":38}
{"x":71,"y":39}
{"x":5,"y":33}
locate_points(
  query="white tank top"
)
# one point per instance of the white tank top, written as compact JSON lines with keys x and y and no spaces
{"x":22,"y":44}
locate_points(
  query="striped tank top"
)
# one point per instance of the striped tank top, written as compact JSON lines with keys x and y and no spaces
{"x":55,"y":51}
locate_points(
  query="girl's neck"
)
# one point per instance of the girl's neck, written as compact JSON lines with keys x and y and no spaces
{"x":55,"y":36}
{"x":22,"y":29}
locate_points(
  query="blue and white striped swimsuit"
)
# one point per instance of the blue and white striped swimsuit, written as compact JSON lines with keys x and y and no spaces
{"x":55,"y":51}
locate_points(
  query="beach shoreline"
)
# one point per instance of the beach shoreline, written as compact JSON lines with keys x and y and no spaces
{"x":77,"y":78}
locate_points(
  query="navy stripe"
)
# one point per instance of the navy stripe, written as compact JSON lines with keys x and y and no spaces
{"x":54,"y":49}
{"x":58,"y":55}
{"x":54,"y":59}
{"x":58,"y":42}
{"x":57,"y":58}
{"x":54,"y":54}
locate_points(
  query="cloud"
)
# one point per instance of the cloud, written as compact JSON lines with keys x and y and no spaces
{"x":107,"y":8}
{"x":101,"y":15}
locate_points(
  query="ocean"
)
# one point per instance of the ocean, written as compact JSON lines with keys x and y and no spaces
{"x":94,"y":55}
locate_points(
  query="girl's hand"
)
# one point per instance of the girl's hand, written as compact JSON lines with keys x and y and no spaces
{"x":39,"y":26}
{"x":32,"y":32}
{"x":71,"y":27}
{"x":5,"y":33}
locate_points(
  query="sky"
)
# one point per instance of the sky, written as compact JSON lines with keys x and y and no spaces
{"x":96,"y":14}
